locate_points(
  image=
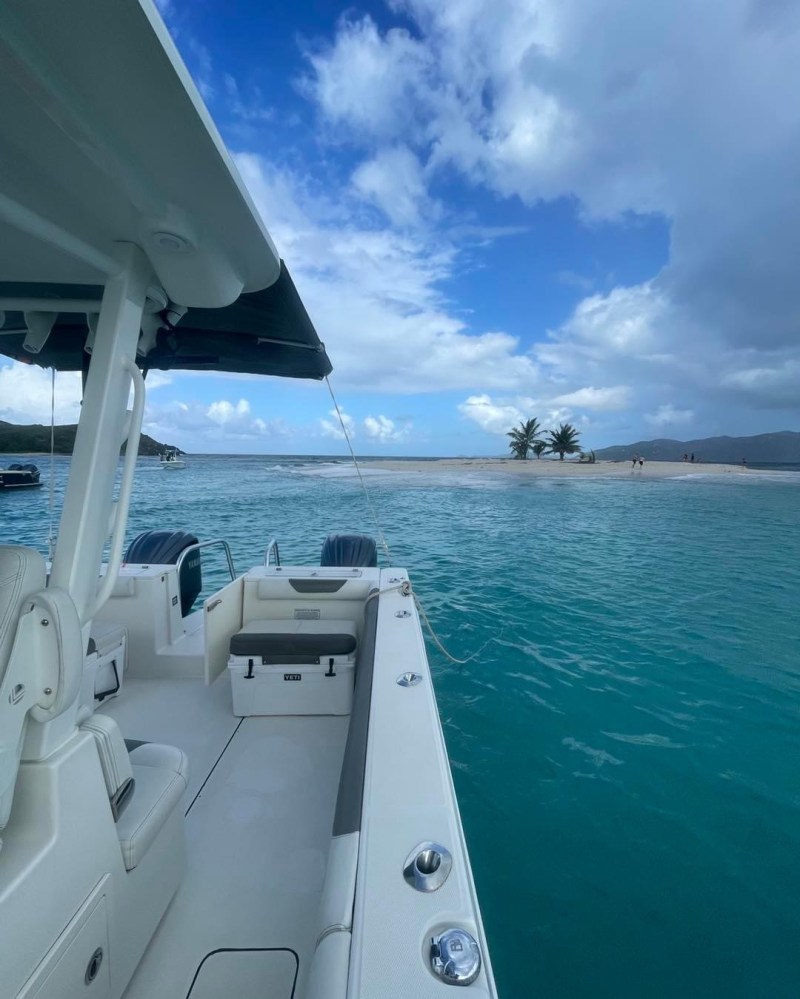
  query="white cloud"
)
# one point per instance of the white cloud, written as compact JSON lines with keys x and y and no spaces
{"x":223,"y":412}
{"x":614,"y":398}
{"x":249,"y":108}
{"x":668,"y":415}
{"x":25,"y":394}
{"x":373,"y":293}
{"x":333,"y":427}
{"x":364,"y":74}
{"x":493,"y":417}
{"x":499,"y":415}
{"x":682,"y":113}
{"x":773,"y":387}
{"x":381,"y":428}
{"x":393,"y":180}
{"x":219,"y":426}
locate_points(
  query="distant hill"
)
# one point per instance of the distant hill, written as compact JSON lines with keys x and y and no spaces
{"x":778,"y":448}
{"x":35,"y":439}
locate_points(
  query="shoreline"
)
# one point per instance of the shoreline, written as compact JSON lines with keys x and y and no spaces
{"x":569,"y":469}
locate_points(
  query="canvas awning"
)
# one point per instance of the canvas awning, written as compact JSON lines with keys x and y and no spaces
{"x":265,"y":332}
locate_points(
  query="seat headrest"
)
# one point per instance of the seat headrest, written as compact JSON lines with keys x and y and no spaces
{"x":22,"y":573}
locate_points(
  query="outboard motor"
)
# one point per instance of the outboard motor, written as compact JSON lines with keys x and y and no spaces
{"x":164,"y":548}
{"x":349,"y":550}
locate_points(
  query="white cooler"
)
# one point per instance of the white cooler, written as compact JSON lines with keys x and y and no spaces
{"x":293,"y":668}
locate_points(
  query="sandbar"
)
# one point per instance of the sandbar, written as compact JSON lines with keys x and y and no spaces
{"x":548,"y":467}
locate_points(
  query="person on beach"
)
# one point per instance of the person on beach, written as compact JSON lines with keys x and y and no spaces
{"x":686,"y":457}
{"x":692,"y":459}
{"x":641,"y":462}
{"x":635,"y":459}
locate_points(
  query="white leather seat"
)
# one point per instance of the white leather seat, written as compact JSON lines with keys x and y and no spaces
{"x":114,"y":760}
{"x":161,"y":775}
{"x":22,"y":573}
{"x":330,"y":967}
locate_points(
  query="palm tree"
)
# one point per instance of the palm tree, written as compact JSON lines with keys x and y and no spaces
{"x":539,"y":448}
{"x":563,"y":441}
{"x":523,"y":438}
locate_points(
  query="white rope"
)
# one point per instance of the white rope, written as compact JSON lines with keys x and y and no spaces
{"x":372,"y":510}
{"x":406,"y":590}
{"x":51,"y":546}
{"x":405,"y":586}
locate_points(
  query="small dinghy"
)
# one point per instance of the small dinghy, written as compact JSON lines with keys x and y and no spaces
{"x":18,"y":476}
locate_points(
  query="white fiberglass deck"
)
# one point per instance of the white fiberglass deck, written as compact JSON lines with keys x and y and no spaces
{"x":259,"y":807}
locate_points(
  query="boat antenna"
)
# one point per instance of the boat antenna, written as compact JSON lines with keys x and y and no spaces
{"x":51,"y":541}
{"x":405,"y":586}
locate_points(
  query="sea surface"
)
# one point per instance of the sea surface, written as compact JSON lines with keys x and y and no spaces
{"x":625,"y":745}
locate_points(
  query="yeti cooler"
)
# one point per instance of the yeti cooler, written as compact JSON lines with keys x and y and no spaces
{"x":293,"y":668}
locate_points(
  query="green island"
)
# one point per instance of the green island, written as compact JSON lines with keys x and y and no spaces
{"x":34,"y":438}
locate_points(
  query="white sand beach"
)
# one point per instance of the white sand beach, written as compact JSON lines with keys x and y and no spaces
{"x":547,"y":467}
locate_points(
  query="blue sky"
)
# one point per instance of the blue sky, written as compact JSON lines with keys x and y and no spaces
{"x":568,"y":209}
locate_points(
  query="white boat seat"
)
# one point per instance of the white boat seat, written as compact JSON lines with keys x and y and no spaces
{"x":40,"y":663}
{"x":114,"y":760}
{"x":330,"y":967}
{"x":161,"y":775}
{"x":278,"y":642}
{"x":22,"y":573}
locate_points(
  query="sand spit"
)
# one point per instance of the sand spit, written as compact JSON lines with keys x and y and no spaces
{"x":545,"y":467}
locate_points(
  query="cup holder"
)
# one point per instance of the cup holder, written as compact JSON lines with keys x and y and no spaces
{"x":427,"y":861}
{"x":427,"y":866}
{"x":409,"y":679}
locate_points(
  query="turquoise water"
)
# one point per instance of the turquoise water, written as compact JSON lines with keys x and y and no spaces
{"x":626,"y":748}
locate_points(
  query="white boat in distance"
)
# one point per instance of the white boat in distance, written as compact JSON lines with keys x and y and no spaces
{"x":171,"y":460}
{"x":253,"y":799}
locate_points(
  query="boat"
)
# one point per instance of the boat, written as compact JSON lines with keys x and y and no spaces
{"x":171,"y":460}
{"x":244,"y":796}
{"x":18,"y":476}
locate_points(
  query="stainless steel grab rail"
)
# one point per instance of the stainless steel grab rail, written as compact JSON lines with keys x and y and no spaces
{"x":208,"y":544}
{"x":272,"y":547}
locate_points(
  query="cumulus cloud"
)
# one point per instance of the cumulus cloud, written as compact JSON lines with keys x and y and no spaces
{"x":493,"y":417}
{"x":776,"y":386}
{"x":667,"y":415}
{"x":374,"y":292}
{"x":393,"y":180}
{"x":381,"y":428}
{"x":333,"y":427}
{"x":223,"y":412}
{"x":683,"y":113}
{"x":499,"y":415}
{"x":25,"y":393}
{"x":608,"y":399}
{"x":215,"y":426}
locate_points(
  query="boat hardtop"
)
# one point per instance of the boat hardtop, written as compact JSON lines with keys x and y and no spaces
{"x":245,"y":793}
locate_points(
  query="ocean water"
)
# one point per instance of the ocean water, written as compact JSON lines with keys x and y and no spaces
{"x":625,"y":746}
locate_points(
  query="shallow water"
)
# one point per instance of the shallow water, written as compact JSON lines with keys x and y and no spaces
{"x":626,"y":746}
